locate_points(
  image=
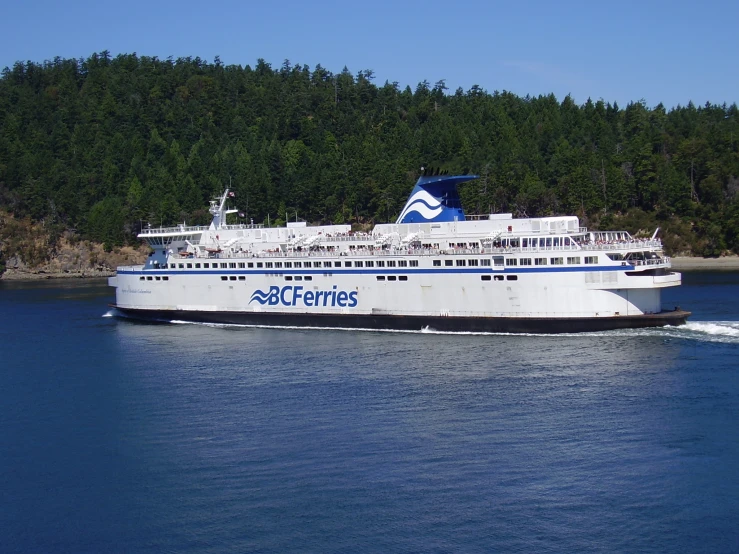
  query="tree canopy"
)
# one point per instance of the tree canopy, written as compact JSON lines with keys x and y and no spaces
{"x":105,"y":144}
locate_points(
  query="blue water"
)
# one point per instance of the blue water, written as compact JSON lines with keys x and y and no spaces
{"x":118,"y":436}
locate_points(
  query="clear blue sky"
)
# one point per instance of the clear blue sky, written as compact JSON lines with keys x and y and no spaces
{"x":659,"y":51}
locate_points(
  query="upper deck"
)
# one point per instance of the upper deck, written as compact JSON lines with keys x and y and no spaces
{"x":419,"y":233}
{"x":192,"y":229}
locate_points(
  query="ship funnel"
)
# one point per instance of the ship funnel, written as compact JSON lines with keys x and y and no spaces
{"x":435,"y":198}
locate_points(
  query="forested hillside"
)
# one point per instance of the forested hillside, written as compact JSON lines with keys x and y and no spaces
{"x":105,"y":144}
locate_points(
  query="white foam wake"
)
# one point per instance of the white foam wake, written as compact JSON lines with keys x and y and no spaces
{"x":714,"y":328}
{"x":704,"y":331}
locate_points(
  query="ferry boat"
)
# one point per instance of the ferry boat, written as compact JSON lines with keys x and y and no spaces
{"x":434,"y":268}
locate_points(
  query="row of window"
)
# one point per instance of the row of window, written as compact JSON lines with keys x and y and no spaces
{"x":499,"y":277}
{"x":471,"y":262}
{"x":571,"y":260}
{"x":534,"y":242}
{"x":296,"y":277}
{"x":309,"y":278}
{"x":287,"y":278}
{"x":297,"y":265}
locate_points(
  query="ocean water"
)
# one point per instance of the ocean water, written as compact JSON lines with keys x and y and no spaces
{"x":118,"y":436}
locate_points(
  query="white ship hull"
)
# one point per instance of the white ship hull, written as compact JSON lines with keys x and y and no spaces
{"x":404,"y":283}
{"x":424,"y":297}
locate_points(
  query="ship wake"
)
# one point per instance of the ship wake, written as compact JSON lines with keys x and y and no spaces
{"x":726,"y":332}
{"x":702,"y":331}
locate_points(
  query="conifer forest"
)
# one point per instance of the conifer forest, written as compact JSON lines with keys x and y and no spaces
{"x":105,"y":145}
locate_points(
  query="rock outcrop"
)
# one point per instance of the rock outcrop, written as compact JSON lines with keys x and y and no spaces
{"x":30,"y":251}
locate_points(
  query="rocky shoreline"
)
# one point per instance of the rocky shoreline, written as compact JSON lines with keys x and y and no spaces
{"x":724,"y":263}
{"x":80,"y":260}
{"x":16,"y":275}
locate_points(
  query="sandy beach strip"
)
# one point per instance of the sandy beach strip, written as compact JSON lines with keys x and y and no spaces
{"x":725,"y":263}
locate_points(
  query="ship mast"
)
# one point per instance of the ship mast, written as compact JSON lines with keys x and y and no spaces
{"x":219,"y":211}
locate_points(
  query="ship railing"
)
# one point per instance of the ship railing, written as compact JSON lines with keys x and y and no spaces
{"x":665,"y":260}
{"x":362,"y":252}
{"x":622,"y":245}
{"x":534,"y":249}
{"x":176,"y":229}
{"x":240,"y":226}
{"x":350,"y":238}
{"x":370,"y":250}
{"x":197,"y":228}
{"x":322,"y":253}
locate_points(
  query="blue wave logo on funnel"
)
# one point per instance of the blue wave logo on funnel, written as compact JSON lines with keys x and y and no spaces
{"x":424,"y":205}
{"x":435,"y":198}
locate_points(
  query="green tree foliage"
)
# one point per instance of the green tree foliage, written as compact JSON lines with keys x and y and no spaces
{"x":106,"y":144}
